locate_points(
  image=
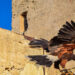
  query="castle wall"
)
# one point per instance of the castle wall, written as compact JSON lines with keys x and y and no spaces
{"x":45,"y":17}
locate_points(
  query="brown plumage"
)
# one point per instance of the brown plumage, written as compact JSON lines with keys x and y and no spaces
{"x":60,"y":47}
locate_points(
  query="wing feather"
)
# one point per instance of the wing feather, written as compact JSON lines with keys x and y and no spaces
{"x":65,"y":35}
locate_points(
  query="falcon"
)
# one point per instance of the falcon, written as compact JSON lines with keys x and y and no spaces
{"x":60,"y":48}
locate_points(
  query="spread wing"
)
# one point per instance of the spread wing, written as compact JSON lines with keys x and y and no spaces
{"x":65,"y":35}
{"x":45,"y":60}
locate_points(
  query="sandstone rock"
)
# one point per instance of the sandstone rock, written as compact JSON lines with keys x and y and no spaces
{"x":13,"y":49}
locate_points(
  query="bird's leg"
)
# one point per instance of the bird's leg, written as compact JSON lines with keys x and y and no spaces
{"x":65,"y":71}
{"x":63,"y":62}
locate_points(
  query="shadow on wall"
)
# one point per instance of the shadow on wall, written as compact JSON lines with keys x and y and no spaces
{"x":24,"y":14}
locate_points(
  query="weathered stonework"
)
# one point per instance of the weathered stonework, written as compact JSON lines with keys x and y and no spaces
{"x":13,"y":61}
{"x":45,"y":17}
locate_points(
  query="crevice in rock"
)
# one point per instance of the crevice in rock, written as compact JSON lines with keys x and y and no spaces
{"x":24,"y":14}
{"x":13,"y":67}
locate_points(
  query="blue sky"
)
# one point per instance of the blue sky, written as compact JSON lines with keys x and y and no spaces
{"x":5,"y":14}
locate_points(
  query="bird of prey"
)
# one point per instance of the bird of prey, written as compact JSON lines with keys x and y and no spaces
{"x":60,"y":48}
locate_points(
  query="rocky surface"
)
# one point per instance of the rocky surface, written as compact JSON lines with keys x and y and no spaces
{"x":13,"y":49}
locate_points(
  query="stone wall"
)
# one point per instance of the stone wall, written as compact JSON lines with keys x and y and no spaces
{"x":45,"y":17}
{"x":13,"y":51}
